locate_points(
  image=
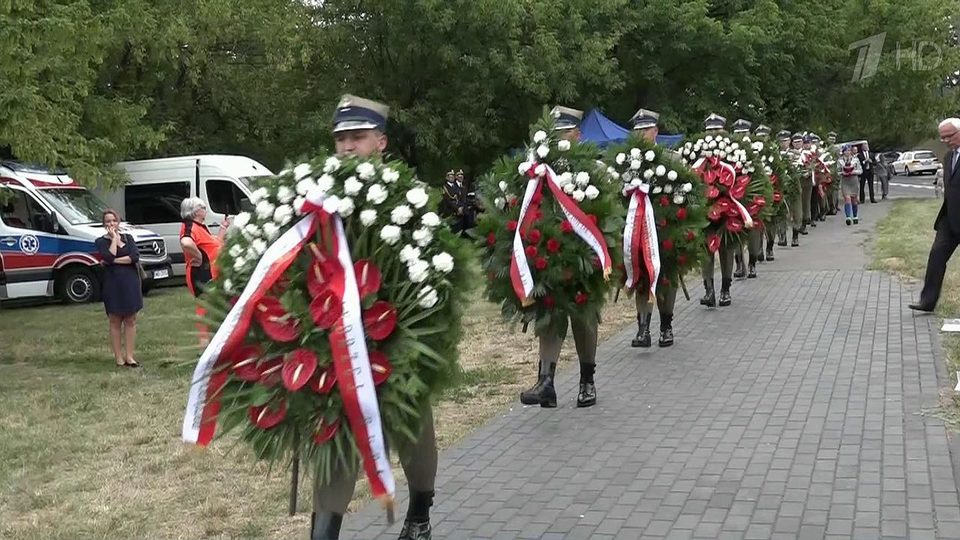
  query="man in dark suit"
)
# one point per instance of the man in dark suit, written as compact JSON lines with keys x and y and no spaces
{"x":866,"y":179}
{"x":947,"y":223}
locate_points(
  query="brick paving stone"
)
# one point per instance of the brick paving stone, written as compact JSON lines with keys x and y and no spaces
{"x":793,"y":413}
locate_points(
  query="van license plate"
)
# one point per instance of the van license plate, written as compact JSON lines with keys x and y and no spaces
{"x":160,"y":274}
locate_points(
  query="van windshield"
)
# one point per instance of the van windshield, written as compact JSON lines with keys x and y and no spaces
{"x":78,"y":206}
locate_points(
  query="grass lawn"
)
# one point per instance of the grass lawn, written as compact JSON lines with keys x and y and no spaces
{"x":901,"y":246}
{"x":88,"y":450}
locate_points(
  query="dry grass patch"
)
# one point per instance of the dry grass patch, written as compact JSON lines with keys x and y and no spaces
{"x":92,"y":451}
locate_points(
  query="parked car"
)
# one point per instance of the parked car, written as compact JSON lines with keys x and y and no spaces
{"x":891,"y":156}
{"x":48,"y":225}
{"x":916,"y":162}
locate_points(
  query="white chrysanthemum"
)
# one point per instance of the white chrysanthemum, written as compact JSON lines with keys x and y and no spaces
{"x":443,"y":262}
{"x":238,"y":264}
{"x":401,"y":214}
{"x":418,"y":270}
{"x":543,"y":151}
{"x":621,"y":158}
{"x":428,"y":297}
{"x":565,"y":178}
{"x":568,"y":188}
{"x":236,"y":250}
{"x":500,"y":203}
{"x":636,"y":153}
{"x":656,"y":190}
{"x":270,"y":231}
{"x":325,"y":183}
{"x":346,"y":207}
{"x":430,"y":219}
{"x":301,"y":171}
{"x":636,"y":164}
{"x":251,"y":231}
{"x":377,"y":194}
{"x":283,"y":214}
{"x":264,"y":210}
{"x":285,"y":195}
{"x":368,"y":217}
{"x":408,"y":254}
{"x":591,"y":192}
{"x":583,"y":178}
{"x":258,"y":195}
{"x":422,"y":236}
{"x":417,"y":197}
{"x":578,"y":195}
{"x":661,"y":170}
{"x":686,"y":188}
{"x":650,"y":155}
{"x":366,"y":171}
{"x":672,"y":176}
{"x":298,"y":204}
{"x":539,"y":136}
{"x":304,"y":186}
{"x":332,"y":164}
{"x":563,"y":145}
{"x":389,"y":175}
{"x":712,"y":145}
{"x":734,"y":146}
{"x":257,"y":247}
{"x":708,"y":138}
{"x":708,"y":153}
{"x":627,"y":176}
{"x":228,"y":286}
{"x":648,"y":174}
{"x":390,"y":234}
{"x":678,"y":199}
{"x":352,"y":186}
{"x":331,"y":204}
{"x":241,"y":220}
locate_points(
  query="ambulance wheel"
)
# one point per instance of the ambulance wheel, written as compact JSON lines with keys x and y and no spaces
{"x":78,"y":285}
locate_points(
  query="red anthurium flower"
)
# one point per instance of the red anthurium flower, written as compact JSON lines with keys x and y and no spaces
{"x":269,"y":371}
{"x":380,"y":320}
{"x":318,"y":277}
{"x":566,"y":226}
{"x":713,"y":192}
{"x":664,"y":201}
{"x":723,"y":204}
{"x":738,"y":191}
{"x":734,"y":225}
{"x":534,"y":236}
{"x":326,"y":309}
{"x":532,"y":251}
{"x":276,"y":322}
{"x":759,"y":201}
{"x":244,"y":363}
{"x":777,"y":197}
{"x":714,"y":214}
{"x":324,"y":382}
{"x":549,"y":302}
{"x":580,"y":298}
{"x":268,"y":416}
{"x":368,"y":277}
{"x":540,"y":263}
{"x":512,"y":225}
{"x":681,"y":214}
{"x":753,"y":210}
{"x":491,"y":239}
{"x":733,"y":212}
{"x":667,"y":245}
{"x":553,"y":245}
{"x":325,"y":431}
{"x":380,"y":366}
{"x":713,"y":243}
{"x":298,"y":367}
{"x":691,"y":236}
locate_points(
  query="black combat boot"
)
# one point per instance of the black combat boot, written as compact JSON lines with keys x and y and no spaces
{"x":769,"y":253}
{"x":709,"y":297}
{"x":587,"y":396}
{"x":643,"y":330}
{"x":740,"y":271}
{"x":725,"y":299}
{"x":761,"y":257}
{"x":803,"y":229}
{"x":325,"y":526}
{"x":417,"y":524}
{"x":782,"y":238}
{"x":543,"y":393}
{"x":753,"y":267}
{"x":666,"y":330}
{"x":796,"y":239}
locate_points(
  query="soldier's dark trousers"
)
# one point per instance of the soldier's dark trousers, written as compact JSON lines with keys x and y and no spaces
{"x":666,"y":299}
{"x":726,"y":253}
{"x":806,"y":197}
{"x":584,"y":338}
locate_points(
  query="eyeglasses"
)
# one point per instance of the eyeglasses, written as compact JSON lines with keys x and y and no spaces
{"x":945,"y":138}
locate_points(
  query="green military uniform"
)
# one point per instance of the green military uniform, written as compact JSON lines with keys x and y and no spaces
{"x":769,"y":233}
{"x":755,"y":235}
{"x":800,"y":205}
{"x":715,"y":124}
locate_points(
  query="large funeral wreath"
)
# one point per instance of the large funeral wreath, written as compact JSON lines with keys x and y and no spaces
{"x":783,"y":177}
{"x":569,"y":279}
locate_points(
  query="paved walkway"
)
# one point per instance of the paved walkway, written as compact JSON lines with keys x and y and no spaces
{"x":796,"y":413}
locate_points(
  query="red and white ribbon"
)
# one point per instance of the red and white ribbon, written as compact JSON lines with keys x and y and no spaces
{"x":520,"y":275}
{"x":640,"y":242}
{"x":347,"y":343}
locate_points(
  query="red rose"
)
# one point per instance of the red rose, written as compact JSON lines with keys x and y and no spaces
{"x":531,"y":251}
{"x":734,"y":225}
{"x":566,"y":227}
{"x":580,"y":298}
{"x":553,"y":245}
{"x":534,"y":236}
{"x":540,"y":263}
{"x":662,"y":223}
{"x":491,"y":239}
{"x":682,"y":260}
{"x":713,"y":243}
{"x":664,"y":201}
{"x":512,"y":225}
{"x":667,"y":245}
{"x":549,"y":302}
{"x":691,"y":236}
{"x":713,"y":192}
{"x":681,"y":214}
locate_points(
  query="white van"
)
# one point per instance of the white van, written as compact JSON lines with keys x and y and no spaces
{"x":157,"y":187}
{"x":48,"y":225}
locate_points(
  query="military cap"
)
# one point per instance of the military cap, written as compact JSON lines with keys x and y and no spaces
{"x":798,"y":136}
{"x":644,"y":119}
{"x":742,"y":126}
{"x":815,"y":138}
{"x":714,"y":121}
{"x":832,"y":135}
{"x":783,"y":134}
{"x":355,"y":113}
{"x":566,"y":118}
{"x":761,"y":131}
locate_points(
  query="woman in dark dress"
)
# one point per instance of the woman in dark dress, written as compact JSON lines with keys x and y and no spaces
{"x":122,"y":295}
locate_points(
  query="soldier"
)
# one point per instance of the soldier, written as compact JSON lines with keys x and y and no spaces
{"x":783,"y":136}
{"x":567,"y":122}
{"x":808,"y":183}
{"x":762,"y":133}
{"x":818,"y":204}
{"x":358,"y":129}
{"x":755,"y":236}
{"x":451,"y":202}
{"x":714,"y":125}
{"x":801,"y":204}
{"x":644,"y":123}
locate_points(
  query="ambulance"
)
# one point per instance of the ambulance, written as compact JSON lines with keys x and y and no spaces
{"x":48,"y":225}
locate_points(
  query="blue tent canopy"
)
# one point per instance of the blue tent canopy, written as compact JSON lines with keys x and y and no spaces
{"x":602,"y":131}
{"x":670,"y":141}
